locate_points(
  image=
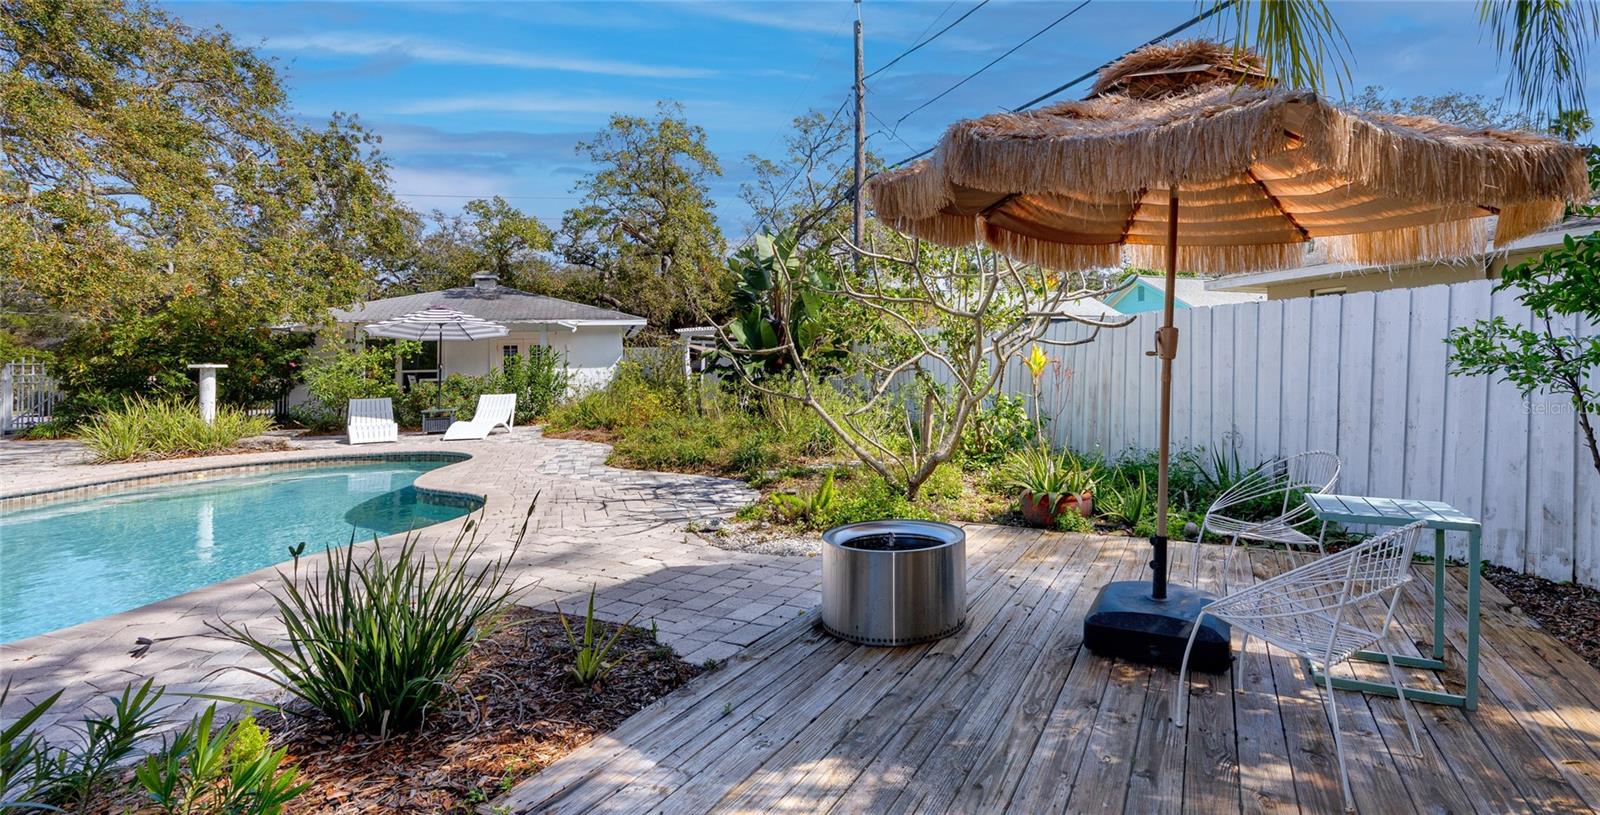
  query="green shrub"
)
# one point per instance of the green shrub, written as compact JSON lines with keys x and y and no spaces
{"x":681,"y":442}
{"x":1073,"y":522}
{"x":374,"y":640}
{"x":218,"y":770}
{"x":147,"y":427}
{"x":629,"y":400}
{"x":539,"y":381}
{"x":869,"y":498}
{"x":335,"y":377}
{"x":52,"y":429}
{"x":38,"y":775}
{"x":997,"y":431}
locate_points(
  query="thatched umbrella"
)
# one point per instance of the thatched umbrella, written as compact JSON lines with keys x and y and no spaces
{"x":1260,"y":171}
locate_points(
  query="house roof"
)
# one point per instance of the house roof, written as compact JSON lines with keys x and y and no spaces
{"x":1091,"y":307}
{"x":1576,"y":227}
{"x":1194,"y":291}
{"x":491,"y":302}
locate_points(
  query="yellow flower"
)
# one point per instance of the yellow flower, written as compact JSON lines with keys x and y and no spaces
{"x":1036,"y":362}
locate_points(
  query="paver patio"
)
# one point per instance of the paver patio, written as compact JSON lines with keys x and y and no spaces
{"x":621,"y":531}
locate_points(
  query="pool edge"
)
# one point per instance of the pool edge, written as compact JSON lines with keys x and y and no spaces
{"x":50,"y":495}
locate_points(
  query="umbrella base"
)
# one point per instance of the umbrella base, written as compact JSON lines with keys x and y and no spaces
{"x":1126,"y":622}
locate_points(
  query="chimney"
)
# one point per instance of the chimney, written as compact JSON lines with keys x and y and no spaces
{"x":485,"y":280}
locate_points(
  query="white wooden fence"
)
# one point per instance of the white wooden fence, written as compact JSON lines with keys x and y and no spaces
{"x":28,"y":395}
{"x":1364,"y":375}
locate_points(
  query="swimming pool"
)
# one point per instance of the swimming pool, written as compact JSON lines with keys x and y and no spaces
{"x":71,"y":561}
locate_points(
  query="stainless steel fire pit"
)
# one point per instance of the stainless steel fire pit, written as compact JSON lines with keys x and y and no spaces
{"x":894,"y":582}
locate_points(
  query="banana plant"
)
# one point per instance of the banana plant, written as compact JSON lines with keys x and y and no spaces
{"x":777,"y":289}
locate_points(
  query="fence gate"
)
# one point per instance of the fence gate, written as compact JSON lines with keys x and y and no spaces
{"x":28,"y":395}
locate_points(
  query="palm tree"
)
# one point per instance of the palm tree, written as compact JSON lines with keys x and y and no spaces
{"x":1545,"y":42}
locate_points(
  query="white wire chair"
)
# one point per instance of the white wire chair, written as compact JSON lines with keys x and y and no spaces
{"x":1285,"y":478}
{"x":1317,"y":611}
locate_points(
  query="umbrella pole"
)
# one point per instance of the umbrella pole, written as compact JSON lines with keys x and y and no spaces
{"x":1166,"y":349}
{"x":1157,"y":622}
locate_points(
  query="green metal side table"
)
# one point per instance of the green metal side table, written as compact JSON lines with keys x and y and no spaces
{"x":1442,"y":518}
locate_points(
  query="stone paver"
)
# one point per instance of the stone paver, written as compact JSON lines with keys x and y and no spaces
{"x":618,"y":531}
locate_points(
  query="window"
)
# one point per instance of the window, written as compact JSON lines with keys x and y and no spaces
{"x":508,"y":351}
{"x":1327,"y":292}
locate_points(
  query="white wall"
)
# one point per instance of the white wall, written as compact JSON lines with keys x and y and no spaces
{"x":592,"y":354}
{"x":1364,"y":375}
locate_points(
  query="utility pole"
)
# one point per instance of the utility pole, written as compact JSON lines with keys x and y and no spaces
{"x":859,"y":225}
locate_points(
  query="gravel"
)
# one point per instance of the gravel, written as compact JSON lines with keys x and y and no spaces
{"x":760,"y":539}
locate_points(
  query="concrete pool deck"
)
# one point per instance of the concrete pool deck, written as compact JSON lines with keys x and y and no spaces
{"x":621,"y":531}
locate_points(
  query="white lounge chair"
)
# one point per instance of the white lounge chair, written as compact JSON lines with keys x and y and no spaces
{"x":494,"y":410}
{"x":372,"y":420}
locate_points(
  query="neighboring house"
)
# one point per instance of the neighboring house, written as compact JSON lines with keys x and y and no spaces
{"x":1088,"y":307}
{"x":1147,"y":292}
{"x":589,"y":337}
{"x":1316,"y":279}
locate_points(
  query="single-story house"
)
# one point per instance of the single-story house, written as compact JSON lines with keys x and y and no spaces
{"x":1318,"y":279}
{"x":589,"y":337}
{"x":1148,"y":291}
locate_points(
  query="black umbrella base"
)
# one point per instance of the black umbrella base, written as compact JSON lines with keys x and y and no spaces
{"x":1126,"y":622}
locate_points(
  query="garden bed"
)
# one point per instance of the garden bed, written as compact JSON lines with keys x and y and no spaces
{"x":513,"y":712}
{"x":1567,"y":611}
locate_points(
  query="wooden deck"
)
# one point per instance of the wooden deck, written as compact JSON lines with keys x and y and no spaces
{"x":1013,"y":715}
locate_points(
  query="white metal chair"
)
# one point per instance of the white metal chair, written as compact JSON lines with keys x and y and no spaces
{"x":1317,"y":611}
{"x":1284,"y":480}
{"x":494,"y":410}
{"x":371,"y":420}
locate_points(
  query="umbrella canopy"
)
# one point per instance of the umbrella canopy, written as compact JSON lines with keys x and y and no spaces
{"x":437,"y":323}
{"x":1188,"y":156}
{"x":1262,"y":170}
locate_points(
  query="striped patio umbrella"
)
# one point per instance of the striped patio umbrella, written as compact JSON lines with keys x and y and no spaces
{"x":440,"y":324}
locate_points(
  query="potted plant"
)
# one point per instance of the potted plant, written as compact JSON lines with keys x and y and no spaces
{"x":1048,"y":484}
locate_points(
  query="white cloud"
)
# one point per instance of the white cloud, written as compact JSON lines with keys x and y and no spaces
{"x":360,"y":44}
{"x":519,"y":102}
{"x":786,"y":16}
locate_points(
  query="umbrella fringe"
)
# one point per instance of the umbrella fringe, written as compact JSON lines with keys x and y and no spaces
{"x":1219,"y":260}
{"x":1428,"y":242}
{"x":1521,"y":220}
{"x":1407,"y":157}
{"x":1066,"y":257}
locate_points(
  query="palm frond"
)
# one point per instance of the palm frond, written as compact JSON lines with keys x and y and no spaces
{"x":1546,"y":43}
{"x":1300,"y":42}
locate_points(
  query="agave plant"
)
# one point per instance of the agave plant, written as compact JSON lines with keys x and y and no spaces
{"x":591,"y":650}
{"x":806,"y":507}
{"x":1045,"y":474}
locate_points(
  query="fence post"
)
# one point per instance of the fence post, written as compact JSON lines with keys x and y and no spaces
{"x":7,"y":386}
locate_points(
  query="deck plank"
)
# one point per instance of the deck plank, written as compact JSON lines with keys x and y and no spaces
{"x":1012,"y":714}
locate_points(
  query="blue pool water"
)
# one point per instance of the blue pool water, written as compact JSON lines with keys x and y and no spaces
{"x":68,"y":562}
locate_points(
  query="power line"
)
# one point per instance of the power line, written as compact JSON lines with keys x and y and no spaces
{"x":1187,"y":24}
{"x":1181,"y":27}
{"x":463,"y":195}
{"x":913,"y":49}
{"x":969,"y":77}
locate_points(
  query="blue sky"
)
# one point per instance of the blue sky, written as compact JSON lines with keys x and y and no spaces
{"x":478,"y":99}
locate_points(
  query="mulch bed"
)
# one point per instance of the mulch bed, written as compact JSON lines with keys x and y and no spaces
{"x":513,"y":712}
{"x":582,"y":434}
{"x":1567,"y":611}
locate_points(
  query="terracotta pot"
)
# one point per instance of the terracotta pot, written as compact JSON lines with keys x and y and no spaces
{"x":1037,"y":510}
